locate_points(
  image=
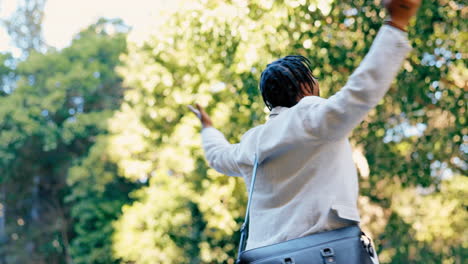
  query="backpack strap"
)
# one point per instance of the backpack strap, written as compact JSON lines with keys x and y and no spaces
{"x":245,"y":226}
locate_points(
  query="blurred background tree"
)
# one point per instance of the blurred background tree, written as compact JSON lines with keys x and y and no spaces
{"x":50,"y":119}
{"x":74,"y":143}
{"x":25,"y":26}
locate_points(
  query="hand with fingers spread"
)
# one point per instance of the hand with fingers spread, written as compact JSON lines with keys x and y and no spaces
{"x":202,"y":115}
{"x":401,"y":11}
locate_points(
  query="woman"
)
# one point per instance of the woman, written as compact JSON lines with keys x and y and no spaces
{"x":307,"y":181}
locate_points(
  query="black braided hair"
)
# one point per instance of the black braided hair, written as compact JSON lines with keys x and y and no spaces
{"x":281,"y":81}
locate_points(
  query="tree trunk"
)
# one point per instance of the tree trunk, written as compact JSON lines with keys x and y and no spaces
{"x":34,"y":213}
{"x":3,"y":236}
{"x":35,"y":198}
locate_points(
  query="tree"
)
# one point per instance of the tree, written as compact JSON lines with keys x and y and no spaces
{"x":413,"y":144}
{"x":96,"y":197}
{"x":7,"y":73}
{"x":25,"y":25}
{"x":49,"y":123}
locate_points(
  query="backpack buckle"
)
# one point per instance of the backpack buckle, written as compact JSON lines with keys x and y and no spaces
{"x":328,"y":255}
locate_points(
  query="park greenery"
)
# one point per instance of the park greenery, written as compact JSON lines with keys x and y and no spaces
{"x":101,"y":161}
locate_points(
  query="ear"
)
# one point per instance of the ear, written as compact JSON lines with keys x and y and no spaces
{"x":316,"y":89}
{"x":307,"y":89}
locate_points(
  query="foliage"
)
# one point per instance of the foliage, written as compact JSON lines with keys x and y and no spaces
{"x":212,"y":52}
{"x":96,"y":197}
{"x":7,"y":74}
{"x":427,"y":215}
{"x":48,"y":124}
{"x":138,"y":231}
{"x":25,"y":25}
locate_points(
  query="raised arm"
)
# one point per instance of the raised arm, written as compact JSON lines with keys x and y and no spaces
{"x":219,"y":153}
{"x":338,"y":115}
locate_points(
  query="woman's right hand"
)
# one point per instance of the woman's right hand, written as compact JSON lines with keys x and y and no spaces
{"x":401,"y":11}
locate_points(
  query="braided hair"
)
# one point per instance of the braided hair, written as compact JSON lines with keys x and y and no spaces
{"x":283,"y":81}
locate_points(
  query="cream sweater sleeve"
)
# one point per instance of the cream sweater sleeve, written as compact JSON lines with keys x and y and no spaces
{"x":220,"y":154}
{"x":338,"y":115}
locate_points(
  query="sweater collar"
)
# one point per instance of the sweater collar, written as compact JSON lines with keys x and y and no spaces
{"x":307,"y":99}
{"x":277,"y":110}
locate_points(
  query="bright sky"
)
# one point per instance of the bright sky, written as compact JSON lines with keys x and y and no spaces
{"x":64,"y":18}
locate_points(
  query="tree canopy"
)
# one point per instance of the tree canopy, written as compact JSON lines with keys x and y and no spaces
{"x":101,"y":162}
{"x":53,"y":114}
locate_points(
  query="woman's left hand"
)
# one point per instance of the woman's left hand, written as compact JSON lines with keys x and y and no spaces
{"x":202,"y":115}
